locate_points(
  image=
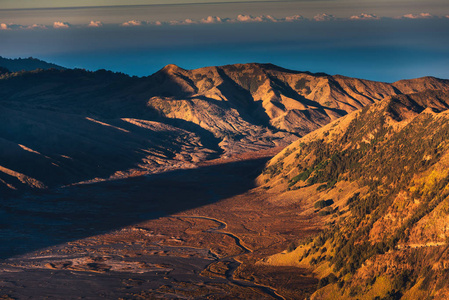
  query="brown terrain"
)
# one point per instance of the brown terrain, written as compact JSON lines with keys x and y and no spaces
{"x":160,"y":187}
{"x":61,"y":127}
{"x":195,"y":233}
{"x":379,"y":178}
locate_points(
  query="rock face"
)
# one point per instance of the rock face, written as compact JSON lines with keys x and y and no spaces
{"x":65,"y":126}
{"x":385,"y":168}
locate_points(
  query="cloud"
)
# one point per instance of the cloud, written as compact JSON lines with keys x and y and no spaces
{"x":61,"y":25}
{"x":324,"y":17}
{"x":37,"y":26}
{"x":417,"y":16}
{"x":184,"y":22}
{"x":364,"y":16}
{"x":211,"y":20}
{"x":239,"y":19}
{"x":10,"y":26}
{"x":95,"y":24}
{"x":133,"y":23}
{"x":189,"y":21}
{"x":293,"y":18}
{"x":249,"y":18}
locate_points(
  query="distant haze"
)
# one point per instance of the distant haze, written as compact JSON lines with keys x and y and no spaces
{"x":379,"y":40}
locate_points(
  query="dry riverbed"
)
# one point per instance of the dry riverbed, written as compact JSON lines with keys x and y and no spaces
{"x":191,"y":234}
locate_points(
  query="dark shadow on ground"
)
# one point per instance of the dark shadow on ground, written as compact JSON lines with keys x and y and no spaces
{"x":34,"y":222}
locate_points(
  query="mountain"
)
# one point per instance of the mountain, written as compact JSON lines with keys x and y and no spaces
{"x":379,"y":179}
{"x":291,"y":101}
{"x":62,"y":127}
{"x":26,"y":64}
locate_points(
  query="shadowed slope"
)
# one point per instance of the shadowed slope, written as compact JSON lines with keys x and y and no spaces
{"x":26,"y":64}
{"x":66,"y":126}
{"x":61,"y":215}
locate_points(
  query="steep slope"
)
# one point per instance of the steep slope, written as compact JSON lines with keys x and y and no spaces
{"x":296,"y":102}
{"x":379,"y":178}
{"x":26,"y":64}
{"x":57,"y":129}
{"x":111,"y":124}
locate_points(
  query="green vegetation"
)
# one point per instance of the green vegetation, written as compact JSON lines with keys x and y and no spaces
{"x":323,"y":203}
{"x":302,"y":84}
{"x":386,"y":161}
{"x":274,"y":169}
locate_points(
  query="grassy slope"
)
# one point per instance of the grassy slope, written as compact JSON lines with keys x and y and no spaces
{"x":387,"y":237}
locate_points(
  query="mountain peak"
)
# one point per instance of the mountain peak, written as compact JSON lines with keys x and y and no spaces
{"x":172,"y":68}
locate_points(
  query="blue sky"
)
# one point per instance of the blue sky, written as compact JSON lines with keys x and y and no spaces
{"x":379,"y":40}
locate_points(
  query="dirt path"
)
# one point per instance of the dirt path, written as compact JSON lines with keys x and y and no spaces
{"x":232,"y":263}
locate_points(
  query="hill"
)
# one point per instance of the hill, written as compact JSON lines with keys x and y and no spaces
{"x":26,"y":64}
{"x":62,"y":127}
{"x":379,"y":179}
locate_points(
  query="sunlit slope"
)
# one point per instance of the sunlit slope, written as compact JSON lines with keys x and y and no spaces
{"x":64,"y":126}
{"x":379,"y":178}
{"x":297,"y":102}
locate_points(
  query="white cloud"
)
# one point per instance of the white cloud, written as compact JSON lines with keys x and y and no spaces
{"x":133,"y":23}
{"x":189,"y":21}
{"x":324,"y":17}
{"x":61,"y":25}
{"x":240,"y":18}
{"x":185,"y":22}
{"x":417,"y":16}
{"x":293,"y":18}
{"x":249,"y":18}
{"x":36,"y":26}
{"x":364,"y":16}
{"x":10,"y":26}
{"x":270,"y":18}
{"x":95,"y":24}
{"x":211,"y":20}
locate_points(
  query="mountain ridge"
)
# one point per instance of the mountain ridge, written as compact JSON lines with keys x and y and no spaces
{"x":27,"y":64}
{"x":216,"y":112}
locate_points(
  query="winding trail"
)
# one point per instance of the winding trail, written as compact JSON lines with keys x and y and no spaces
{"x":232,"y":263}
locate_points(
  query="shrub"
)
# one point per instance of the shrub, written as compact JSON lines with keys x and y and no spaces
{"x":291,"y":247}
{"x":323,"y":203}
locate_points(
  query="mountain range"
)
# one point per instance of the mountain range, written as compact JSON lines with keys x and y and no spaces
{"x":64,"y":126}
{"x":368,"y":160}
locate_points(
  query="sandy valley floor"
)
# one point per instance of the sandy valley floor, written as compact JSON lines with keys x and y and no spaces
{"x":194,"y":233}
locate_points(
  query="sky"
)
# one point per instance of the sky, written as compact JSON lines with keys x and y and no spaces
{"x":14,"y":4}
{"x":379,"y":40}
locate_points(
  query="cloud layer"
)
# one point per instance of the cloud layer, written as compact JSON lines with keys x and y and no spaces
{"x":59,"y":25}
{"x":418,"y":16}
{"x":242,"y":18}
{"x":364,"y":16}
{"x":95,"y":24}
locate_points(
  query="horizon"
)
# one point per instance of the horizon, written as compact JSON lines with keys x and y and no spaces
{"x":224,"y":65}
{"x":382,"y":41}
